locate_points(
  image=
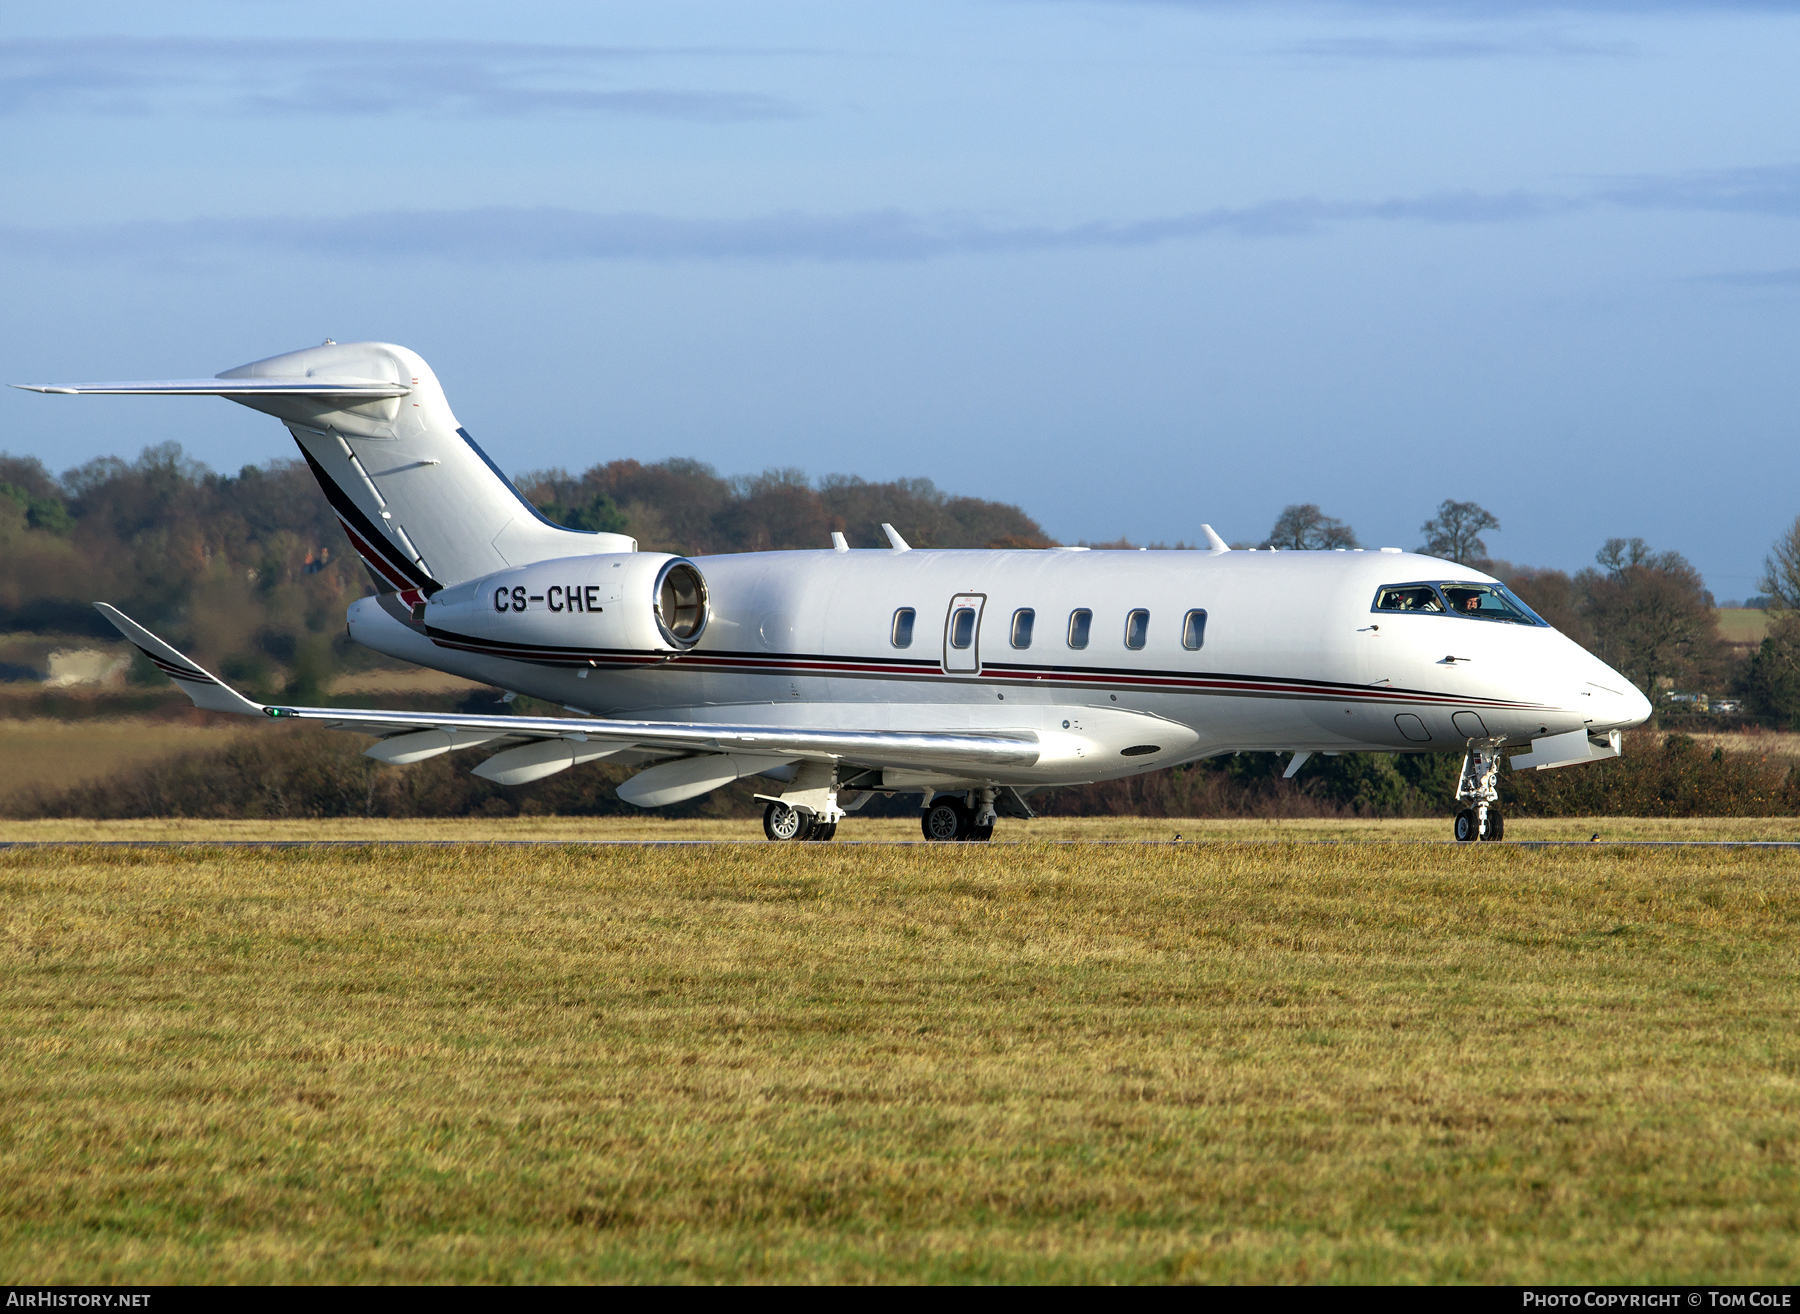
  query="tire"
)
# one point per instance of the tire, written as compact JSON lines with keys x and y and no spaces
{"x":822,"y":832}
{"x":1465,"y":825}
{"x":982,"y":834}
{"x":1496,"y":825}
{"x":786,"y":825}
{"x":946,"y":820}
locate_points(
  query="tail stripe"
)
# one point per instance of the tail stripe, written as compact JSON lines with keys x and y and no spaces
{"x":368,"y":540}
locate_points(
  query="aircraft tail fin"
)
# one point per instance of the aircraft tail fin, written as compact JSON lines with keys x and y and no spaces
{"x":421,"y":503}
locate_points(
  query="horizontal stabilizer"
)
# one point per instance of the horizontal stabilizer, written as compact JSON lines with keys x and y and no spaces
{"x":206,"y":689}
{"x":361,"y":389}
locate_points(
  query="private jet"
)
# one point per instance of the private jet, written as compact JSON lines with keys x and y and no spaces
{"x":968,"y":678}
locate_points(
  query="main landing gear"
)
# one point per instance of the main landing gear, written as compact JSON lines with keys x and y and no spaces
{"x":780,"y":822}
{"x":949,"y":818}
{"x":1479,"y":788}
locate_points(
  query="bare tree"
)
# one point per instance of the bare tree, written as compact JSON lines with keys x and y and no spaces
{"x":1455,"y":532}
{"x":1772,"y":678}
{"x":1781,"y":571}
{"x":1302,"y":527}
{"x":1652,"y":616}
{"x":1551,"y":594}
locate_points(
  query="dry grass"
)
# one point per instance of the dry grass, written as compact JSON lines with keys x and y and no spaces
{"x":1258,"y":1062}
{"x":1765,"y":745}
{"x":418,"y":680}
{"x":653,"y":826}
{"x":43,"y":753}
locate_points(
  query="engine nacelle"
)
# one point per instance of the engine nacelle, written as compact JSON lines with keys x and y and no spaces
{"x":575,"y":610}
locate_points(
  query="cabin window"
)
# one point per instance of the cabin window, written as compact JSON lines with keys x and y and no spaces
{"x":1080,"y":621}
{"x":1193,"y":630}
{"x":962,"y":627}
{"x":1021,"y":627}
{"x":1137,"y":627}
{"x":903,"y":623}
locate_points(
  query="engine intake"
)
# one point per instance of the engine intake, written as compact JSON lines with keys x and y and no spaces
{"x":575,"y":610}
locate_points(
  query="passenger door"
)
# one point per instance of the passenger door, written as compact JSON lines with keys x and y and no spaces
{"x":962,"y":634}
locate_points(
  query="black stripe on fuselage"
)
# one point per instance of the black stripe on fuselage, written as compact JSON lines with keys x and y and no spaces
{"x":1011,"y":674}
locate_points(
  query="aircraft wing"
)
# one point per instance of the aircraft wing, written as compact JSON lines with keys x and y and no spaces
{"x":758,"y":746}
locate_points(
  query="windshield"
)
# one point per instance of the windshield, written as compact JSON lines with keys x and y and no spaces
{"x":1493,"y":602}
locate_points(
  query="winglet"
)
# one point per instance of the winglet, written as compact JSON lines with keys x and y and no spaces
{"x":206,"y":689}
{"x":893,"y":537}
{"x":1214,"y":544}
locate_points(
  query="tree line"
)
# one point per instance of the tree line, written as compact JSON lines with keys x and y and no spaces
{"x":251,"y":572}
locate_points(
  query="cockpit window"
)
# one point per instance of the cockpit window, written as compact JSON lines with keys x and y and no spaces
{"x":1477,"y":601}
{"x":1409,"y":597}
{"x":1488,"y":602}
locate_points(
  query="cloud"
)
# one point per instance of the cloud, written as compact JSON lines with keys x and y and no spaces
{"x":1767,"y":190}
{"x":1537,"y":45}
{"x":1766,"y":278}
{"x":501,"y":234}
{"x":140,"y":76}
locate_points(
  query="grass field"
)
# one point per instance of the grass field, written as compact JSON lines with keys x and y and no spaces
{"x":50,"y":754}
{"x":1747,"y":625}
{"x":1211,"y":1062}
{"x":380,"y":682}
{"x":1768,"y":745}
{"x":652,"y":826}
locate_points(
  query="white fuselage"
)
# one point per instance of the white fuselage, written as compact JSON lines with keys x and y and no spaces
{"x":1294,"y":656}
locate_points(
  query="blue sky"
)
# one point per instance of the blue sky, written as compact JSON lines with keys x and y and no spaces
{"x":1132,"y":265}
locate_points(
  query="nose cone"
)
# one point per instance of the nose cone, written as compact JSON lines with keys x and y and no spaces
{"x":1614,"y":702}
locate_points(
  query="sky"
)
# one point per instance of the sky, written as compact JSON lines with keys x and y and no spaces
{"x":1133,"y":265}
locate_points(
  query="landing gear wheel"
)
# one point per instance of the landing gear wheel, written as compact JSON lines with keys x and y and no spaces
{"x":982,"y":834}
{"x":946,"y":819}
{"x":1496,"y":827}
{"x":821,"y":831}
{"x":780,"y":822}
{"x":1465,"y":825}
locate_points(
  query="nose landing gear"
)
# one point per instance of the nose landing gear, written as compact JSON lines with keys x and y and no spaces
{"x":1480,"y":789}
{"x":1469,"y":824}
